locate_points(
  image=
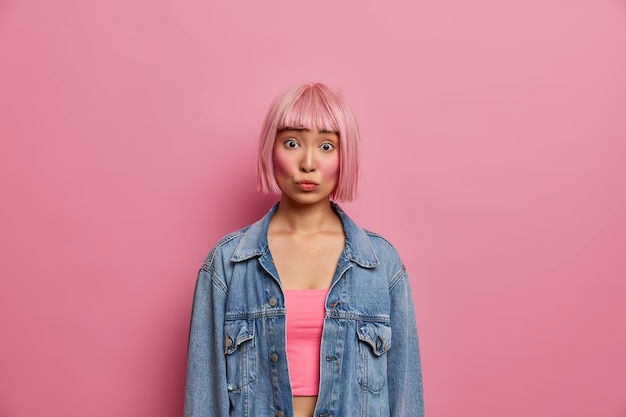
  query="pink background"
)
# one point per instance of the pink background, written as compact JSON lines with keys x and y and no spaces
{"x":494,"y":140}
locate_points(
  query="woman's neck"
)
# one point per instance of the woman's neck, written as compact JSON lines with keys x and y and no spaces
{"x":304,"y":218}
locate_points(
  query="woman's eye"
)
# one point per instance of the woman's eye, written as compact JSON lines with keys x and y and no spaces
{"x":327,"y":146}
{"x":290,"y":143}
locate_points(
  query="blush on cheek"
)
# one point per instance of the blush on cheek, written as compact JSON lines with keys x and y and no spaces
{"x":281,"y":163}
{"x":330,"y":169}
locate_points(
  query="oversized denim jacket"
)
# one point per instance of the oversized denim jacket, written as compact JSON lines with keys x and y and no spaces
{"x":369,"y":361}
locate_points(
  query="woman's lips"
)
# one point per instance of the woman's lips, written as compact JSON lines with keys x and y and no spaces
{"x":306,"y":185}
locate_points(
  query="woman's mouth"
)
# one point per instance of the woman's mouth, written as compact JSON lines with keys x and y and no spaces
{"x":306,"y":185}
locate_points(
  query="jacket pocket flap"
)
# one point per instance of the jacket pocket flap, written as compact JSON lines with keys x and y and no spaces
{"x":235,"y":333}
{"x":376,"y":335}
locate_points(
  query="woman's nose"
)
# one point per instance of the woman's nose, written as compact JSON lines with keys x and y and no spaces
{"x":308,"y":161}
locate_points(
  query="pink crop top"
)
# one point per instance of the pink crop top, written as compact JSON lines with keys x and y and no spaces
{"x":305,"y":321}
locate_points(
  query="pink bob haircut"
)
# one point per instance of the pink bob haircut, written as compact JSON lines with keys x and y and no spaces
{"x":312,"y":106}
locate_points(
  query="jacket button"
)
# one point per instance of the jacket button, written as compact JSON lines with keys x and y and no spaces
{"x":274,"y":358}
{"x":229,"y":342}
{"x":280,"y":414}
{"x":272,"y":302}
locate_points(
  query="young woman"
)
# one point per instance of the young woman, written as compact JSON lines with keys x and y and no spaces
{"x":304,"y":313}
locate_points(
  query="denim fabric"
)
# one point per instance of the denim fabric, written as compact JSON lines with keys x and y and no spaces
{"x":369,"y":362}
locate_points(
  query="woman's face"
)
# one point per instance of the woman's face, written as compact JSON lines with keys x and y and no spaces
{"x":306,"y":164}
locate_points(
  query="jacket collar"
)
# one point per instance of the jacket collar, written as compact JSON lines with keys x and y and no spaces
{"x":358,"y":247}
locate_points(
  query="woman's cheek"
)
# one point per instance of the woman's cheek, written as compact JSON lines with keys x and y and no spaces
{"x":330,"y":169}
{"x":281,"y":163}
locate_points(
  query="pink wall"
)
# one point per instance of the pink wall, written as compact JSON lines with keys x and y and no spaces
{"x":494,"y":147}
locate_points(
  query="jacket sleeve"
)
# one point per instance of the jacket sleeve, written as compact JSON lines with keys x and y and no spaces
{"x":206,"y":392}
{"x":404,"y":368}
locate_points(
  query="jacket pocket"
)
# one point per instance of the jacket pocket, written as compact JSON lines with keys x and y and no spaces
{"x":239,"y":347}
{"x":374,"y":342}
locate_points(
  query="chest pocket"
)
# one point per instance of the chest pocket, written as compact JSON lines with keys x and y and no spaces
{"x":374,"y":342}
{"x":239,"y":348}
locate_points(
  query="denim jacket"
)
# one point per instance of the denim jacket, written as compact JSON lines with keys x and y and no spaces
{"x":369,"y":360}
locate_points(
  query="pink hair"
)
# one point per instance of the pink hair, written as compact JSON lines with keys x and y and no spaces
{"x":312,"y":106}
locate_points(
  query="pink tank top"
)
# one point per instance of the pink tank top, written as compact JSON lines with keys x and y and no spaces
{"x":305,"y":322}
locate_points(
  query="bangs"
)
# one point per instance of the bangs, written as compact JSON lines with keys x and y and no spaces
{"x":311,"y":111}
